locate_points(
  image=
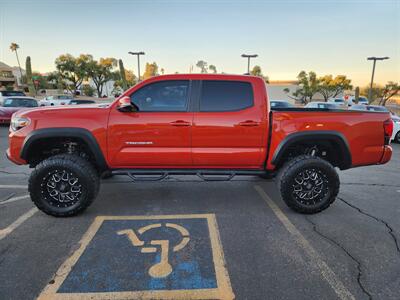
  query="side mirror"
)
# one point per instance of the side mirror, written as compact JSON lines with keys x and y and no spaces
{"x":125,"y":105}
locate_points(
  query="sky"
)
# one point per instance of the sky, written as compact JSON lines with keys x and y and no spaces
{"x":328,"y":37}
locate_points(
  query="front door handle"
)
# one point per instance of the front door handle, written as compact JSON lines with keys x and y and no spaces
{"x":180,"y":123}
{"x":249,"y":123}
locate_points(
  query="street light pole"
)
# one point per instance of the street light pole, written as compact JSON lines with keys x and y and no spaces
{"x":373,"y":73}
{"x":248,"y":56}
{"x":138,"y":60}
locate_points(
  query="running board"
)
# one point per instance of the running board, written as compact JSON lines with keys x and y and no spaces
{"x":206,"y":175}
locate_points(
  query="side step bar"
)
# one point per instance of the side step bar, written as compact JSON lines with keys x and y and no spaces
{"x":206,"y":175}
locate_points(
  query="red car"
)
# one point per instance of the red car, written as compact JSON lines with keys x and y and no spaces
{"x":213,"y":126}
{"x":13,"y":104}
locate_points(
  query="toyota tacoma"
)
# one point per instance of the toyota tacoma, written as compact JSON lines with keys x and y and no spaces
{"x":213,"y":126}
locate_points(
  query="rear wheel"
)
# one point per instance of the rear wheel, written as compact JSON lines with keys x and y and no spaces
{"x":308,"y":184}
{"x":63,"y":185}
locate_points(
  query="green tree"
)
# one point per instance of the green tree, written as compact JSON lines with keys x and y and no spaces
{"x":150,"y":70}
{"x":308,"y":87}
{"x":101,"y":72}
{"x":130,"y":80}
{"x":73,"y":70}
{"x":56,"y":81}
{"x":213,"y":68}
{"x":256,"y":71}
{"x":330,"y":87}
{"x":14,"y":48}
{"x":41,"y":81}
{"x":202,"y":65}
{"x":382,"y":94}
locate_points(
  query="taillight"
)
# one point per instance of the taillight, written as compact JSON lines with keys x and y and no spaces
{"x":388,"y":130}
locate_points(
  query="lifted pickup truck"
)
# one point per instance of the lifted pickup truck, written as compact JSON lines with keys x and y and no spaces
{"x":213,"y":126}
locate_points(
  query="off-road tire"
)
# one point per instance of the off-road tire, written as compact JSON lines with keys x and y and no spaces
{"x":87,"y":181}
{"x":299,"y":166}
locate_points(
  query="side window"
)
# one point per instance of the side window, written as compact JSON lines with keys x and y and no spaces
{"x":161,"y":96}
{"x":225,"y":95}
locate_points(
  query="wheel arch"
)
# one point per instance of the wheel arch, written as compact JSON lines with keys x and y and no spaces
{"x":335,"y":138}
{"x":85,"y":135}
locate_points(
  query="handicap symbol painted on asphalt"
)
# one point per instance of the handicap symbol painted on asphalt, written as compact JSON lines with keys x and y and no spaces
{"x":146,"y":257}
{"x":162,"y":268}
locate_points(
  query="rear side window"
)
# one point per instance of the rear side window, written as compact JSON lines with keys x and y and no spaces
{"x":171,"y":95}
{"x":225,"y":96}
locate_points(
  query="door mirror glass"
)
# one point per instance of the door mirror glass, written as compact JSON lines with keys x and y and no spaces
{"x":125,"y":105}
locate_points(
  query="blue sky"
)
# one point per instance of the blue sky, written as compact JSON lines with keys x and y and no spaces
{"x":329,"y":37}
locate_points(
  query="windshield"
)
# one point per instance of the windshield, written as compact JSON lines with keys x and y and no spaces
{"x":17,"y":102}
{"x":12,"y":93}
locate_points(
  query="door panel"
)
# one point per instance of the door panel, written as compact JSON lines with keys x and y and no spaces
{"x":149,"y":139}
{"x":231,"y":139}
{"x":159,"y":134}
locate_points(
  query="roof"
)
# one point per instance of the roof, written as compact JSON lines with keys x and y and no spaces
{"x":200,"y":76}
{"x":5,"y":67}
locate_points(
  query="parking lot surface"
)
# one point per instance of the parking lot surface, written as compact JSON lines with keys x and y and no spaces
{"x":183,"y":238}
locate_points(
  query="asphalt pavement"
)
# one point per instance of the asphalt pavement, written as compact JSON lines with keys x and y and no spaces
{"x":184,"y":238}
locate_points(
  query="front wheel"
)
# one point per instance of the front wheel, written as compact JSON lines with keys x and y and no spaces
{"x":63,"y":185}
{"x":308,"y":184}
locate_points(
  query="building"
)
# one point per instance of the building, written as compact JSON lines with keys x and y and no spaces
{"x":7,"y":79}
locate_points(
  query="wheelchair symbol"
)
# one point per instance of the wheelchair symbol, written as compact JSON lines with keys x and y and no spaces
{"x":163,"y":268}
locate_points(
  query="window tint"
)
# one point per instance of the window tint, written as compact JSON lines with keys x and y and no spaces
{"x":162,"y":96}
{"x":225,"y":95}
{"x":12,"y":93}
{"x":18,"y":102}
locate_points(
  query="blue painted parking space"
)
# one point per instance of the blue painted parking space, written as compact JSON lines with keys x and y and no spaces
{"x":176,"y":256}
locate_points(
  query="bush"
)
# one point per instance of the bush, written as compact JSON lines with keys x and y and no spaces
{"x":88,"y":90}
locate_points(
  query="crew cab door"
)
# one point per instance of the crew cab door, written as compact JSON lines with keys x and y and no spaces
{"x":158,"y":134}
{"x":229,"y":125}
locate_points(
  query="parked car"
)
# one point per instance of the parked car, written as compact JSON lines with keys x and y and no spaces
{"x":369,"y":107}
{"x":11,"y":105}
{"x":56,"y":100}
{"x":322,"y":105}
{"x":361,"y":100}
{"x":280,"y":104}
{"x":396,"y":129}
{"x":4,"y":94}
{"x":194,"y":124}
{"x":338,"y":101}
{"x":80,"y":101}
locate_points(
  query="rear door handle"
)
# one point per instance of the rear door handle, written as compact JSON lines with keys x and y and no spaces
{"x":249,"y":123}
{"x":180,"y":123}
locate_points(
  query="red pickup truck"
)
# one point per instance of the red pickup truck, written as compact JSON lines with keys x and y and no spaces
{"x":213,"y":126}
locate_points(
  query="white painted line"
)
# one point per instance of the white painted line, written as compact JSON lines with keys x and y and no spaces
{"x":316,"y":259}
{"x":15,"y":199}
{"x":5,"y":186}
{"x":6,"y":231}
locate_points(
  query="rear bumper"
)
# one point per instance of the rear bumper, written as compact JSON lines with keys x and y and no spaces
{"x":387,"y":154}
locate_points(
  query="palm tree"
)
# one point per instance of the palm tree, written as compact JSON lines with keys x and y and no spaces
{"x":15,"y":47}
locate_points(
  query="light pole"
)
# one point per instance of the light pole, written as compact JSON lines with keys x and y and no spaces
{"x":138,"y":61}
{"x":373,"y":73}
{"x":248,"y":56}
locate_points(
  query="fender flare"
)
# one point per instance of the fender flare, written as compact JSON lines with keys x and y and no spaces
{"x":325,"y":135}
{"x":68,"y":132}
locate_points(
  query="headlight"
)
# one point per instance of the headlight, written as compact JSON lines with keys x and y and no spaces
{"x":17,"y":123}
{"x":396,"y":121}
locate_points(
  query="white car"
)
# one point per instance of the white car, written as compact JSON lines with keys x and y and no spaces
{"x":56,"y":100}
{"x":339,"y":101}
{"x":6,"y":94}
{"x":361,"y":100}
{"x":396,"y":128}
